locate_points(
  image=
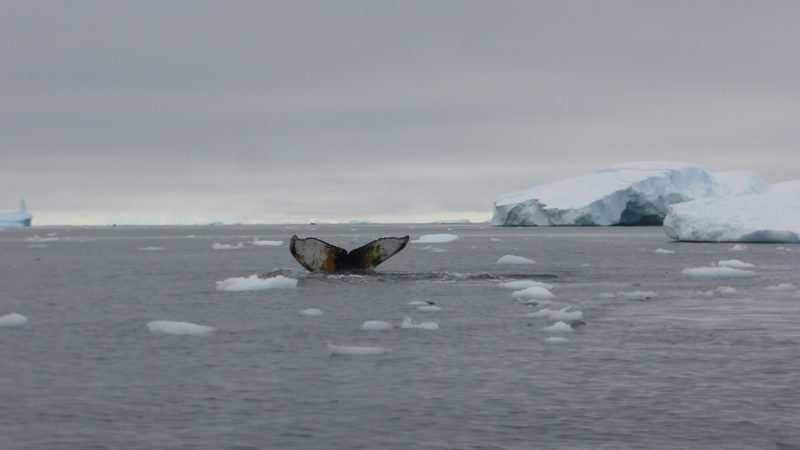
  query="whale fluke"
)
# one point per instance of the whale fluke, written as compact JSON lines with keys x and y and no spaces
{"x":317,"y":255}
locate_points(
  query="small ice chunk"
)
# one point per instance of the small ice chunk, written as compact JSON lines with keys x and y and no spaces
{"x":376,"y":325}
{"x":556,"y":340}
{"x":738,"y":248}
{"x":532,"y":302}
{"x":254,"y":283}
{"x":258,"y":243}
{"x":36,"y":238}
{"x":558,"y":327}
{"x":725,"y":290}
{"x":436,"y":239}
{"x":151,"y":249}
{"x":735,"y":263}
{"x":346,"y":350}
{"x":408,"y":323}
{"x":428,"y":308}
{"x":523,"y":284}
{"x":418,"y":303}
{"x":534,"y":293}
{"x":560,"y":314}
{"x":716,"y":272}
{"x":433,"y":249}
{"x":640,"y":295}
{"x":311,"y":312}
{"x":494,"y":239}
{"x":218,"y":246}
{"x":781,"y":288}
{"x":513,"y":259}
{"x":179,"y":328}
{"x":664,"y":251}
{"x":13,"y":320}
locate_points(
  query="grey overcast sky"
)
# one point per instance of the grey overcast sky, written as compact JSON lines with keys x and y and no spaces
{"x":190,"y":111}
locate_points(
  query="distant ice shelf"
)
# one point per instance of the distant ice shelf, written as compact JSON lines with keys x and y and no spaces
{"x":636,"y":193}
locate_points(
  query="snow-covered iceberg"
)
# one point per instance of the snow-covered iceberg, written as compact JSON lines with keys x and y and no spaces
{"x":770,"y":216}
{"x":637,"y":193}
{"x":21,"y":218}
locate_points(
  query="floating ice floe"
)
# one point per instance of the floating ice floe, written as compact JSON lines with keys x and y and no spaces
{"x":13,"y":320}
{"x":311,"y":312}
{"x":36,"y":238}
{"x":436,"y":239}
{"x":735,"y":263}
{"x":716,"y":272}
{"x":407,"y":323}
{"x":781,"y":288}
{"x":151,"y":249}
{"x":258,"y":243}
{"x":636,"y":193}
{"x":352,"y":350}
{"x":738,"y":248}
{"x":664,"y":251}
{"x":770,"y":216}
{"x":428,"y":308}
{"x":524,"y":284}
{"x":179,"y":328}
{"x":720,"y":291}
{"x":533,"y":293}
{"x":559,"y":314}
{"x":556,"y":340}
{"x":376,"y":325}
{"x":558,"y":327}
{"x":419,"y":303}
{"x":513,"y":259}
{"x":433,"y":249}
{"x":254,"y":283}
{"x":218,"y":246}
{"x":639,"y":295}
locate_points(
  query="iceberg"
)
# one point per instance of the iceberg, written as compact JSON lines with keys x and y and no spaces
{"x":771,"y":216}
{"x":21,"y":218}
{"x":636,"y":193}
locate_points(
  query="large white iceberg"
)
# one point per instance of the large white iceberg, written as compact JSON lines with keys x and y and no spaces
{"x":771,"y":216}
{"x":21,"y":218}
{"x":637,"y":193}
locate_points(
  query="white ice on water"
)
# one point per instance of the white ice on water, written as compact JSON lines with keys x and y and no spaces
{"x":37,"y":238}
{"x":311,"y":312}
{"x":533,"y":293}
{"x":428,"y":308}
{"x":524,"y":284}
{"x":354,"y":350}
{"x":735,"y":263}
{"x":559,"y":314}
{"x":418,"y":303}
{"x":738,"y":248}
{"x":556,"y":340}
{"x":151,"y":249}
{"x":179,"y":328}
{"x":376,"y":325}
{"x":258,"y":243}
{"x":558,"y":327}
{"x":716,"y":272}
{"x":443,"y":238}
{"x":781,"y":288}
{"x":769,"y":216}
{"x":13,"y":320}
{"x":664,"y":251}
{"x":635,"y":193}
{"x":513,"y":259}
{"x":254,"y":283}
{"x":218,"y":246}
{"x":407,"y":323}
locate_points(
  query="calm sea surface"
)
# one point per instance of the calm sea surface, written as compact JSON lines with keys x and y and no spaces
{"x":672,"y":368}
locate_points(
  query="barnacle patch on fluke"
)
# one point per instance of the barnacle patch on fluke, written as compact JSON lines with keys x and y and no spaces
{"x":317,"y":255}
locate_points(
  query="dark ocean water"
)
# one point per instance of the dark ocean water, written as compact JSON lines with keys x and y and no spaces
{"x":678,"y":369}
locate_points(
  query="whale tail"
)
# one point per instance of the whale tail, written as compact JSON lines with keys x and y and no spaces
{"x":317,"y":255}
